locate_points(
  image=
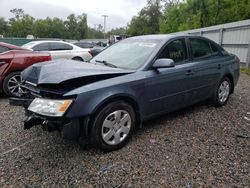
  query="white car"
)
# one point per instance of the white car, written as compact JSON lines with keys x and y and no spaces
{"x":60,"y":49}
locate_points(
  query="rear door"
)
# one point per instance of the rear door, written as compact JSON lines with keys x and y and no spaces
{"x":207,"y":60}
{"x":60,"y":50}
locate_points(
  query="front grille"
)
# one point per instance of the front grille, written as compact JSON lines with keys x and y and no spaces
{"x":35,"y":91}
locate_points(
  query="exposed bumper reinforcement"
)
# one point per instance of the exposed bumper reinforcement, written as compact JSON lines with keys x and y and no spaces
{"x":20,"y":102}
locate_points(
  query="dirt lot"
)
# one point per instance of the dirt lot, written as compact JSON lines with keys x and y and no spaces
{"x":198,"y":146}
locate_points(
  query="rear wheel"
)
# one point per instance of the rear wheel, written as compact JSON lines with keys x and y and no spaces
{"x":113,"y":126}
{"x":13,"y":85}
{"x":222,"y":93}
{"x":77,"y":58}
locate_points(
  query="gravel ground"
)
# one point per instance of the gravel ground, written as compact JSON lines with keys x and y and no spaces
{"x":201,"y":146}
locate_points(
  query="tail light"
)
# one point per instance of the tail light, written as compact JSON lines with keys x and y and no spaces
{"x":90,"y":52}
{"x":49,"y":58}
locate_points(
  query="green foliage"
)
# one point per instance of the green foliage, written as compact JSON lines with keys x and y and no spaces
{"x":147,"y":21}
{"x":179,"y":15}
{"x":95,"y":34}
{"x":82,"y":26}
{"x":4,"y":27}
{"x":245,"y":70}
{"x":117,"y":31}
{"x":191,"y":14}
{"x":21,"y":25}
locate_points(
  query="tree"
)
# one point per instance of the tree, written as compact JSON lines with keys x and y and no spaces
{"x":21,"y":24}
{"x":18,"y":13}
{"x":95,"y":34}
{"x":71,"y":24}
{"x":147,"y":21}
{"x":4,"y":27}
{"x":56,"y":28}
{"x":117,"y":31}
{"x":82,"y":26}
{"x":191,"y":14}
{"x":41,"y":28}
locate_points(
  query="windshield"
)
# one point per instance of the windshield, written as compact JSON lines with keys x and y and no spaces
{"x":128,"y":54}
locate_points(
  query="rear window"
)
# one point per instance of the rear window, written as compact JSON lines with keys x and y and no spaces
{"x":200,"y":48}
{"x":41,"y":47}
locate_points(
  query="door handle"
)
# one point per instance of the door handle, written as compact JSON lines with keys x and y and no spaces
{"x":189,"y":72}
{"x":2,"y":62}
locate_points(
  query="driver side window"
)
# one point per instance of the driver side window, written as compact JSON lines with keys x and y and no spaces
{"x":175,"y":50}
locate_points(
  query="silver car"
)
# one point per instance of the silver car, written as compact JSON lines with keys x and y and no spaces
{"x":60,"y":49}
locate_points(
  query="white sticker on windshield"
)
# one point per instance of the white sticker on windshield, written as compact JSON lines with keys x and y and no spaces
{"x":149,"y":45}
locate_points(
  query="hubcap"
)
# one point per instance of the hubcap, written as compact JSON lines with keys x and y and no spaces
{"x":116,"y":127}
{"x":224,"y":91}
{"x":15,"y":85}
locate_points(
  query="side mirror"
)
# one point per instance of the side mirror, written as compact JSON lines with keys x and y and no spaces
{"x":163,"y":63}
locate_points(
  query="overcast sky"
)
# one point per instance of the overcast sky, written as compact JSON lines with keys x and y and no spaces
{"x":120,"y":11}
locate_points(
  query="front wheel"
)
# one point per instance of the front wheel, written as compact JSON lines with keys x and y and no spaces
{"x":222,"y":93}
{"x":13,"y":85}
{"x":113,"y":126}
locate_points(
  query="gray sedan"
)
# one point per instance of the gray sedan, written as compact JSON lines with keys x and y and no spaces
{"x":102,"y":102}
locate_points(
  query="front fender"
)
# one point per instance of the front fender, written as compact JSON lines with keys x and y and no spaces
{"x":87,"y":103}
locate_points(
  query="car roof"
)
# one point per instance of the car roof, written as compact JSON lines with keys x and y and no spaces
{"x":160,"y":36}
{"x":42,"y":41}
{"x":11,"y":46}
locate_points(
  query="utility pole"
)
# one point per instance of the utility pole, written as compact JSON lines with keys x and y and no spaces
{"x":96,"y":25}
{"x":104,"y":25}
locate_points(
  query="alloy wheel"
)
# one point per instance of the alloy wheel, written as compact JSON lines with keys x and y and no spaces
{"x":15,"y":85}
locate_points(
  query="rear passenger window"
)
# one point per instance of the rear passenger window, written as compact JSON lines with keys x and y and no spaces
{"x":41,"y":47}
{"x":200,"y":48}
{"x":175,"y":50}
{"x":215,"y":50}
{"x":54,"y":46}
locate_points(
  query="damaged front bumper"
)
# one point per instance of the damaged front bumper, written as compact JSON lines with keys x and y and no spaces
{"x":71,"y":129}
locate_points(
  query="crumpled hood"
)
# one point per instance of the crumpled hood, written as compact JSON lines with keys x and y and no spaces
{"x":58,"y":71}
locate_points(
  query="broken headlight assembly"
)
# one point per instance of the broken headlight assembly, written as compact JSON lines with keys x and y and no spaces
{"x":50,"y":107}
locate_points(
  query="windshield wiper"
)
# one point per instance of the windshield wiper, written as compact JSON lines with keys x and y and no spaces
{"x":106,"y":63}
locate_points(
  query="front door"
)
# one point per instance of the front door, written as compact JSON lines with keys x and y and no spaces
{"x":169,"y":88}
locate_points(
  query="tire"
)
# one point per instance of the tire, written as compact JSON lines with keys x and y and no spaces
{"x":13,"y":85}
{"x":222,"y":92}
{"x":112,"y":126}
{"x":77,"y":58}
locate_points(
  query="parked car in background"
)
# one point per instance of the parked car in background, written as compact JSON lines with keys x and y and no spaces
{"x":86,"y":45}
{"x":60,"y":49}
{"x":94,"y":48}
{"x":102,"y":102}
{"x":13,"y":60}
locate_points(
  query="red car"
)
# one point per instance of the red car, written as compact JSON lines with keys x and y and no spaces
{"x":13,"y":60}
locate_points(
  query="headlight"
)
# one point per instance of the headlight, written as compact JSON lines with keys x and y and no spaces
{"x":49,"y":107}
